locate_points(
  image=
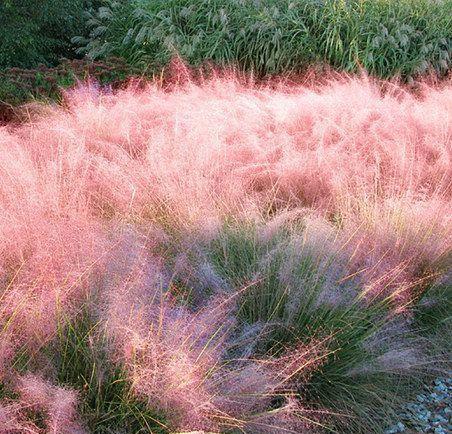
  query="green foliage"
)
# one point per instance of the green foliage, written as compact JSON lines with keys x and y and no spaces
{"x":435,"y":307}
{"x":289,"y":287}
{"x":386,"y":37}
{"x":106,"y":400}
{"x":40,"y":31}
{"x":434,"y":318}
{"x":18,"y":86}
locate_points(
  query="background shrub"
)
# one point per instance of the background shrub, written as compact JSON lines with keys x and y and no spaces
{"x":386,"y":38}
{"x":17,"y":85}
{"x":40,"y":31}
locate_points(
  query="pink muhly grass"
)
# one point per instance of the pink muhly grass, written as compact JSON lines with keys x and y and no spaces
{"x":12,"y":421}
{"x":58,"y":404}
{"x":95,"y":197}
{"x":219,"y":146}
{"x":166,"y":352}
{"x":399,"y":246}
{"x":197,"y":153}
{"x":49,"y":272}
{"x":177,"y":359}
{"x":48,"y":248}
{"x":397,"y":350}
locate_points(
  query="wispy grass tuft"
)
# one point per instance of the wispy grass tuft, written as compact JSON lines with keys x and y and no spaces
{"x":295,"y":295}
{"x":107,"y":403}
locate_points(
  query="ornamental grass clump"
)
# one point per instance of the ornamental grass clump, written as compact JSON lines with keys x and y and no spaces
{"x":406,"y":38}
{"x":225,"y":256}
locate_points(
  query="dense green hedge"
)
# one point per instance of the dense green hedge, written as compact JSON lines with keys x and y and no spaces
{"x":40,"y":31}
{"x":386,"y":37}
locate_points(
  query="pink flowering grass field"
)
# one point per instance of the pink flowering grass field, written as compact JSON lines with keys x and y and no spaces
{"x":224,"y":256}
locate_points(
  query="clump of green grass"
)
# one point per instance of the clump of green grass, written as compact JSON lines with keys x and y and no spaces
{"x":106,"y":401}
{"x":385,"y":37}
{"x":79,"y":362}
{"x":433,"y":317}
{"x":363,"y":377}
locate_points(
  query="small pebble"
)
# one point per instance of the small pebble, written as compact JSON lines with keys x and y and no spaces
{"x":431,"y":412}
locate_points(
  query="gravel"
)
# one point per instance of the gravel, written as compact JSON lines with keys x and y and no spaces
{"x":431,"y":412}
